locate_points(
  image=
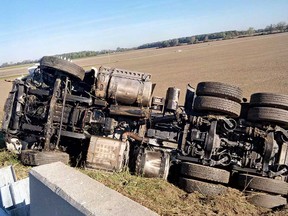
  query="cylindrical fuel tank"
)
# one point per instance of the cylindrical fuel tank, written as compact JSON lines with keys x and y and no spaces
{"x":124,"y":87}
{"x":172,"y":98}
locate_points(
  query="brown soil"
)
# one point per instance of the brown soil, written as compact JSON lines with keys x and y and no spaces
{"x":256,"y":64}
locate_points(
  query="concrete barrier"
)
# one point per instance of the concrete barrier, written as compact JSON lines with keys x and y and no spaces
{"x":7,"y":176}
{"x":56,"y":189}
{"x":15,"y":198}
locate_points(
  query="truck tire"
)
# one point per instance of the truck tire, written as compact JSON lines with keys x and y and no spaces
{"x":268,"y":114}
{"x":266,"y":200}
{"x":36,"y":158}
{"x":269,"y":100}
{"x":247,"y":181}
{"x":218,"y":105}
{"x":191,"y":185}
{"x":221,"y":90}
{"x":63,"y":65}
{"x":205,"y":172}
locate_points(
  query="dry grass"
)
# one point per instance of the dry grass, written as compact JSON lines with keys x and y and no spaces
{"x":167,"y":199}
{"x":159,"y":195}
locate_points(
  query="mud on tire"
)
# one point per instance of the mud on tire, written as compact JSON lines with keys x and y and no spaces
{"x":247,"y":181}
{"x":205,"y":172}
{"x":191,"y":185}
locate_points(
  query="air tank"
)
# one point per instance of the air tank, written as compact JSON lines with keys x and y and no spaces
{"x":172,"y":99}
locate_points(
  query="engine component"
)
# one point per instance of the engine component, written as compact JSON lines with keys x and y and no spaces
{"x":158,"y":103}
{"x":139,"y":112}
{"x":125,"y":87}
{"x":153,"y":164}
{"x":108,"y":154}
{"x":172,"y":99}
{"x":189,"y":99}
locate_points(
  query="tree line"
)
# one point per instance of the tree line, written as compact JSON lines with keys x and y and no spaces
{"x":225,"y":35}
{"x":270,"y":29}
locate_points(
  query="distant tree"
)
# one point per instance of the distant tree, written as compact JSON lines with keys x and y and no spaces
{"x":222,"y":34}
{"x":165,"y":44}
{"x":270,"y":28}
{"x":281,"y":26}
{"x":250,"y":31}
{"x":174,"y":42}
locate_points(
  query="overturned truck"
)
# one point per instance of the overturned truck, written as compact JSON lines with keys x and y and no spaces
{"x":108,"y":119}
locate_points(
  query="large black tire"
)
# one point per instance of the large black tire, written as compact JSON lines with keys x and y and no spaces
{"x":36,"y":158}
{"x":269,"y":100}
{"x":266,"y":200}
{"x":221,"y":90}
{"x":247,"y":181}
{"x":63,"y":65}
{"x":191,"y":185}
{"x":205,"y":172}
{"x":268,"y":114}
{"x":217,"y":105}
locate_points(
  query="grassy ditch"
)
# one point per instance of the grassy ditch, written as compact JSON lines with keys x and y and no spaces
{"x":157,"y":194}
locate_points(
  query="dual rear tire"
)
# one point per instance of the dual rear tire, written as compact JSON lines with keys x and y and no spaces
{"x":218,"y":98}
{"x":203,"y":179}
{"x":269,"y":108}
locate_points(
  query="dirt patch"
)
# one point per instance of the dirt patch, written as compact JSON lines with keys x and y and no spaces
{"x":256,"y":64}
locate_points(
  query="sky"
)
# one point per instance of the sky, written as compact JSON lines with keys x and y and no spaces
{"x":31,"y":29}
